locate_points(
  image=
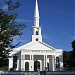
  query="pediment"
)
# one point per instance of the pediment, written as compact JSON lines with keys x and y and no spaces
{"x":36,"y":46}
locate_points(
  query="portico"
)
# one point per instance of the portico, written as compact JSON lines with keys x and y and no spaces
{"x":47,"y":60}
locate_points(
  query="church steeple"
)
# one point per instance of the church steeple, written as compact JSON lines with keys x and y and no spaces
{"x":36,"y":15}
{"x":36,"y":29}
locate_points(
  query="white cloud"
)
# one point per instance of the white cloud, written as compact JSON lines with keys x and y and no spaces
{"x":21,"y":20}
{"x":16,"y":38}
{"x":46,"y":36}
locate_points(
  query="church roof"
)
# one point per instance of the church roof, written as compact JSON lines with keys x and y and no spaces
{"x":36,"y":46}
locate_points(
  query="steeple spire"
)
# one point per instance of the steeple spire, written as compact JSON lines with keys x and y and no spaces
{"x":36,"y":15}
{"x":36,"y":29}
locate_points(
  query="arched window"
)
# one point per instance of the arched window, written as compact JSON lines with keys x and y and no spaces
{"x":57,"y":62}
{"x":15,"y":61}
{"x":36,"y":65}
{"x":37,"y":33}
{"x":26,"y":66}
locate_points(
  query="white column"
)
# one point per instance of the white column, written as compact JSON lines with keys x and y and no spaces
{"x":49,"y":63}
{"x":39,"y":31}
{"x":10,"y":63}
{"x":44,"y":62}
{"x":30,"y":57}
{"x":40,"y":65}
{"x":17,"y":64}
{"x":22,"y":62}
{"x":30,"y":63}
{"x":53,"y":63}
{"x":19,"y":61}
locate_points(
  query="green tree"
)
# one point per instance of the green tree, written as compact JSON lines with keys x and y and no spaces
{"x":9,"y":28}
{"x":67,"y":60}
{"x":73,"y":54}
{"x":73,"y":45}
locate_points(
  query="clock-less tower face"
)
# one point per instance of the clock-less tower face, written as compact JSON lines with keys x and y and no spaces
{"x":36,"y":29}
{"x":36,"y":34}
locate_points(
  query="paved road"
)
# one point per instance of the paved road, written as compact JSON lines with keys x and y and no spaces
{"x":36,"y":73}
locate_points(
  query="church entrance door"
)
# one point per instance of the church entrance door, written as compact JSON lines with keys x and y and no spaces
{"x":36,"y":65}
{"x":26,"y":66}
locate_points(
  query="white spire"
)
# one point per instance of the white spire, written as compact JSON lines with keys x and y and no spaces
{"x":36,"y":29}
{"x":36,"y":15}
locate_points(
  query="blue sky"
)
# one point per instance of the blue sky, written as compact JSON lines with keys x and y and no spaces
{"x":56,"y":19}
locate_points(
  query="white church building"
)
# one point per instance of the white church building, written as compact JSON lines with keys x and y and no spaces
{"x":36,"y":54}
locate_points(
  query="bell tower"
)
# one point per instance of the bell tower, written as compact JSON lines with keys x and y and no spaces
{"x":36,"y":29}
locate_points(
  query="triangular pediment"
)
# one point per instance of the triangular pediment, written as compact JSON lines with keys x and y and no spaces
{"x":36,"y":46}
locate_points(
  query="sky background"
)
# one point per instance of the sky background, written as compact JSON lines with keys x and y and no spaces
{"x":56,"y":19}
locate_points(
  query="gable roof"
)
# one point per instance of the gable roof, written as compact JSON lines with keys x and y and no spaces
{"x":36,"y":46}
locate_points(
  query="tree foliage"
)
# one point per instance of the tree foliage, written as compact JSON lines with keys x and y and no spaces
{"x":73,"y":45}
{"x":66,"y":59}
{"x":9,"y":28}
{"x":73,"y":54}
{"x":69,"y":57}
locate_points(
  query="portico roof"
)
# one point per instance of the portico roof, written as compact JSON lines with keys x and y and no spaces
{"x":36,"y":46}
